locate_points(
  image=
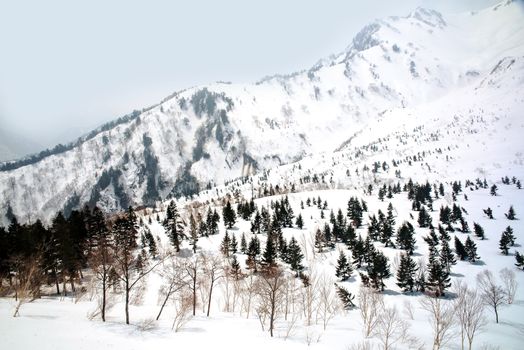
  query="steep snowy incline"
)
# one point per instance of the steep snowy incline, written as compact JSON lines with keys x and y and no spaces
{"x":210,"y":134}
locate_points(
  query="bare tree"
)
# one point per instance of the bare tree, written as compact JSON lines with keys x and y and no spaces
{"x":370,"y":304}
{"x":469,"y":312}
{"x":491,"y":293}
{"x":192,"y":267}
{"x":28,"y":280}
{"x":271,"y":294}
{"x":183,"y":304}
{"x":328,"y":303}
{"x":172,"y":275}
{"x":509,"y":281}
{"x":212,"y":270}
{"x":440,"y":318}
{"x":310,"y":296}
{"x":249,"y":288}
{"x":390,"y":328}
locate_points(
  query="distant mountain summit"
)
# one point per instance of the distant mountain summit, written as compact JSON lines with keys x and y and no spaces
{"x":207,"y":135}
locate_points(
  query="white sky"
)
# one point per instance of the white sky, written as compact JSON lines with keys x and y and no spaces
{"x":68,"y":66}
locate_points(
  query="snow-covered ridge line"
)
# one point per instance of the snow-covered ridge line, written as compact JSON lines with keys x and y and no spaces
{"x":204,"y":136}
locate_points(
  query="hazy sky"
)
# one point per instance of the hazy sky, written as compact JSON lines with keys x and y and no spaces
{"x":68,"y":66}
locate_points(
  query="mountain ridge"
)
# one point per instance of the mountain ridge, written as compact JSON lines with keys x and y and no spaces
{"x":203,"y":136}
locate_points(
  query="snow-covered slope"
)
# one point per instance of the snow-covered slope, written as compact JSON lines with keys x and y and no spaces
{"x":426,"y":69}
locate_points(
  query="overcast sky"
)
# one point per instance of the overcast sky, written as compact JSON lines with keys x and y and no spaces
{"x":68,"y":66}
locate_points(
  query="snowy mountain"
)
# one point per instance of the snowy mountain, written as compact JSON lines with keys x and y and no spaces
{"x":453,"y":78}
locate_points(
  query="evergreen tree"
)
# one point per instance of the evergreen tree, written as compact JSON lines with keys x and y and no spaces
{"x":225,"y":246}
{"x":319,"y":240}
{"x":229,"y":215}
{"x":193,"y":232}
{"x":354,"y":211}
{"x":253,"y":251}
{"x":358,"y":252}
{"x":424,"y":219}
{"x":295,"y":256}
{"x":378,"y":270}
{"x":511,"y":237}
{"x":446,"y":256}
{"x":504,"y":243}
{"x":510,"y":215}
{"x":233,"y":245}
{"x":493,"y":190}
{"x":489,"y":213}
{"x":243,"y":244}
{"x":270,"y":253}
{"x":460,"y":250}
{"x":235,"y":269}
{"x":299,"y":222}
{"x":471,"y":250}
{"x":405,"y":238}
{"x":173,"y":225}
{"x":479,"y":231}
{"x":151,"y":243}
{"x":519,"y":258}
{"x":406,"y":273}
{"x":345,"y":297}
{"x":438,"y":279}
{"x":256,"y":223}
{"x":344,"y":269}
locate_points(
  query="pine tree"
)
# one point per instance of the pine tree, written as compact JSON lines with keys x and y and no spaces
{"x":519,"y":258}
{"x":358,"y":252}
{"x":225,"y":245}
{"x":233,"y":245}
{"x":489,"y":213}
{"x":295,"y":256}
{"x":229,"y":215}
{"x":493,"y":190}
{"x":511,"y":237}
{"x":173,"y":225}
{"x":446,"y":256}
{"x":378,"y":270}
{"x":344,"y":269}
{"x":405,"y":239}
{"x":424,"y":219}
{"x":478,"y":230}
{"x":504,"y":243}
{"x":345,"y":297}
{"x":243,"y":244}
{"x":270,"y":253}
{"x":151,"y":243}
{"x":406,"y":273}
{"x":253,"y":251}
{"x":319,"y":240}
{"x":438,"y":279}
{"x":193,"y":232}
{"x":510,"y":215}
{"x":460,"y":250}
{"x":235,"y":268}
{"x":471,"y":250}
{"x":299,"y":222}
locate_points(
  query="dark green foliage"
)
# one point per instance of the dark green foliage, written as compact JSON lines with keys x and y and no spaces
{"x":406,"y":273}
{"x":345,"y":297}
{"x":493,"y":190}
{"x":253,"y":251}
{"x":354,"y":211}
{"x":243,"y":244}
{"x":344,"y":269}
{"x":174,"y":226}
{"x":378,"y":270}
{"x":460,"y":250}
{"x":225,"y":246}
{"x":229,"y":215}
{"x":507,"y":239}
{"x":471,"y":250}
{"x":270,"y":254}
{"x":510,"y":215}
{"x":405,"y":237}
{"x":299,"y":222}
{"x":295,"y":256}
{"x":446,"y":256}
{"x":519,"y":258}
{"x":424,"y":219}
{"x":479,"y":231}
{"x":438,"y":279}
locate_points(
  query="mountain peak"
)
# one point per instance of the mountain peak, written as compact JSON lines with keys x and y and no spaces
{"x":430,"y":17}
